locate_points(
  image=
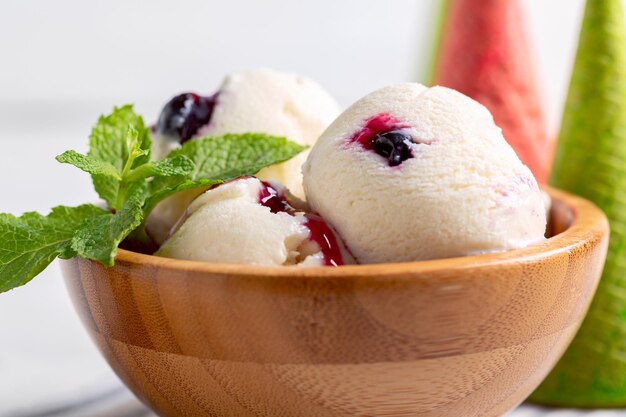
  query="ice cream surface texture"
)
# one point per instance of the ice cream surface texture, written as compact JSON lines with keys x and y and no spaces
{"x":248,"y":221}
{"x":411,"y":173}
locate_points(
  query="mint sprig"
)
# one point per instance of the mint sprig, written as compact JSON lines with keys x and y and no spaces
{"x":99,"y":236}
{"x":30,"y":242}
{"x":110,"y":142}
{"x":218,"y":159}
{"x":90,"y":165}
{"x":131,"y":186}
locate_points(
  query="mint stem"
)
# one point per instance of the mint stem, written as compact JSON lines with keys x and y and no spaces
{"x":133,"y":153}
{"x":121,"y":196}
{"x":139,"y":173}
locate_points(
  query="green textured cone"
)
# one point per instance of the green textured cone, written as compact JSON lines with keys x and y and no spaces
{"x":441,"y":19}
{"x":590,"y":161}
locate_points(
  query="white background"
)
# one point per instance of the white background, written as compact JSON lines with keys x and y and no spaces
{"x":145,"y":51}
{"x":64,"y":62}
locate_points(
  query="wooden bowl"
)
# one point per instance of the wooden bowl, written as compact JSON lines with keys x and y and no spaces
{"x":456,"y":337}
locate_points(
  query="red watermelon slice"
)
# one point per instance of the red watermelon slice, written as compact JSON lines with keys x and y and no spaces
{"x":485,"y":54}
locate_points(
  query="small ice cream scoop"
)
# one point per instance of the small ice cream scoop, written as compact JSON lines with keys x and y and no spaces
{"x":412,"y":173}
{"x":257,"y":101}
{"x":248,"y":221}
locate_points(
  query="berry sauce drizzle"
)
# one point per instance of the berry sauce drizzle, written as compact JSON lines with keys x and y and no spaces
{"x":320,"y":232}
{"x":387,"y":136}
{"x":185,"y":114}
{"x":274,"y":200}
{"x":325,"y":238}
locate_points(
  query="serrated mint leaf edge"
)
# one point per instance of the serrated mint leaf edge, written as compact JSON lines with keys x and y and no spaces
{"x":162,"y":188}
{"x":85,"y":241}
{"x":50,"y":251}
{"x":89,"y":165}
{"x":233,"y":140}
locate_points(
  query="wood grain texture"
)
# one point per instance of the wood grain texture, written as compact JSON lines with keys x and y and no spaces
{"x":456,"y":337}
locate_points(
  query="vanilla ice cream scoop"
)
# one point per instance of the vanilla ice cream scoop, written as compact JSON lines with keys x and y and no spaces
{"x":248,"y":221}
{"x":257,"y":101}
{"x":412,"y":173}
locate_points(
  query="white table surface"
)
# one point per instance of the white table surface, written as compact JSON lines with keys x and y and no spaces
{"x":48,"y":365}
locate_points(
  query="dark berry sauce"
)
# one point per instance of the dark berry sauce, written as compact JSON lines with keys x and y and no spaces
{"x":274,"y":200}
{"x":325,"y":238}
{"x":387,"y":136}
{"x":320,"y":232}
{"x":184,"y":115}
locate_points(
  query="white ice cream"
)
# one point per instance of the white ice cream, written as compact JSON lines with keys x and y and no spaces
{"x":277,"y":104}
{"x":464,"y":190}
{"x":272,"y":102}
{"x":229,"y":224}
{"x":263,"y":101}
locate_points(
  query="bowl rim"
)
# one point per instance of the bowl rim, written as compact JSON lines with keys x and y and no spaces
{"x":588,"y":223}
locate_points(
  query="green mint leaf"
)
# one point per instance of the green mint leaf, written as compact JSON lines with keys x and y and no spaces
{"x":173,"y":166}
{"x":231,"y":156}
{"x":98,"y":237}
{"x":177,"y":165}
{"x":89,"y":164}
{"x":218,"y":159}
{"x":112,"y":141}
{"x":28,"y":244}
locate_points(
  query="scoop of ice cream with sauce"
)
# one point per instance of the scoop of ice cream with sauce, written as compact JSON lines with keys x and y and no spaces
{"x":412,"y":173}
{"x":249,"y":221}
